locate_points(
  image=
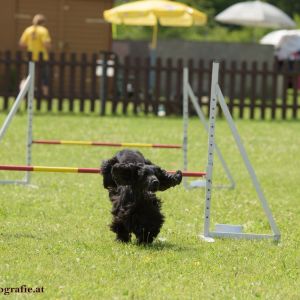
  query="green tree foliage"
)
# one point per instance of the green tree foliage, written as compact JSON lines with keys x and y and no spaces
{"x":213,"y":31}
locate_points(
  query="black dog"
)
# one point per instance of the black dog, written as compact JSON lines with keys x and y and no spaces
{"x":132,"y":182}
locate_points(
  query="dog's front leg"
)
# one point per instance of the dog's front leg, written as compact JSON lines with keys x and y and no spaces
{"x":123,"y":235}
{"x":167,"y":180}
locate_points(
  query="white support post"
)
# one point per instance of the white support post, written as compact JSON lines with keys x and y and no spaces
{"x":185,"y":123}
{"x":30,"y":97}
{"x":211,"y":146}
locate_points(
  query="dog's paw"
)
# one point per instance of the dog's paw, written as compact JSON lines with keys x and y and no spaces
{"x":178,"y":176}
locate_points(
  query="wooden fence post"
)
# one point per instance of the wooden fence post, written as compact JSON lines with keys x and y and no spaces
{"x":136,"y":85}
{"x":253,"y":89}
{"x":147,"y":95}
{"x":72,"y":75}
{"x":264,"y":81}
{"x":242,"y":89}
{"x":116,"y":86}
{"x":169,"y":72}
{"x":94,"y":94}
{"x":61,"y":80}
{"x":50,"y":65}
{"x":7,"y":67}
{"x":82,"y":93}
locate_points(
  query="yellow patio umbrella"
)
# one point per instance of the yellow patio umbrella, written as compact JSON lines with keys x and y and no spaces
{"x":152,"y":12}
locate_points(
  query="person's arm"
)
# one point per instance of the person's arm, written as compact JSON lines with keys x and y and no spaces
{"x":47,"y":40}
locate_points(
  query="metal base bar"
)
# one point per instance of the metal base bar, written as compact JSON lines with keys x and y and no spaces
{"x":13,"y":182}
{"x":249,"y":236}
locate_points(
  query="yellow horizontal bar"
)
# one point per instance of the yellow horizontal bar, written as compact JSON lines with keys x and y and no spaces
{"x":136,"y":145}
{"x":76,"y":142}
{"x":55,"y":169}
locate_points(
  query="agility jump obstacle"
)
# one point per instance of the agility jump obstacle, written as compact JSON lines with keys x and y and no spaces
{"x":106,"y":144}
{"x":222,"y":230}
{"x":77,"y":170}
{"x":228,"y":230}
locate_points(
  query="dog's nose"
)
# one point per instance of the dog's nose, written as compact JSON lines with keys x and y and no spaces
{"x":154,"y":185}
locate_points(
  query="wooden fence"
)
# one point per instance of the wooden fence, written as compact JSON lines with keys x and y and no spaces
{"x":88,"y":83}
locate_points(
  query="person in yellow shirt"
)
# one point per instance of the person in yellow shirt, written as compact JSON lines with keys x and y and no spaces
{"x":36,"y":40}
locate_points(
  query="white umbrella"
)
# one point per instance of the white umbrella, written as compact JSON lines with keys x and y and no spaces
{"x":286,"y":42}
{"x":256,"y":14}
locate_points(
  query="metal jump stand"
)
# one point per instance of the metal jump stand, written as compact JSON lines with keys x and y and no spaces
{"x":227,"y":230}
{"x":189,"y":94}
{"x":27,"y":88}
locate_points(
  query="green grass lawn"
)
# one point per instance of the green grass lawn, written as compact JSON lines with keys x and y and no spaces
{"x":54,"y":233}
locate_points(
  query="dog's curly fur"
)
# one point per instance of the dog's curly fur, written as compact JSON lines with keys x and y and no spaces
{"x":132,"y":181}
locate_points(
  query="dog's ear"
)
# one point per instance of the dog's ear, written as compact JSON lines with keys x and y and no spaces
{"x":125,"y":173}
{"x":106,"y":167}
{"x":167,"y":180}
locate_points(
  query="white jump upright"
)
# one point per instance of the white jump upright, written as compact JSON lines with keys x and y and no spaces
{"x":27,"y":88}
{"x":189,"y":94}
{"x":228,"y":230}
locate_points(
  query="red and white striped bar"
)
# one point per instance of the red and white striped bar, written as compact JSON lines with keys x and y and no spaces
{"x":106,"y":144}
{"x":78,"y":170}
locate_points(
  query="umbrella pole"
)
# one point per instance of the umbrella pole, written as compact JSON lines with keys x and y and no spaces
{"x":154,"y":36}
{"x":153,"y":56}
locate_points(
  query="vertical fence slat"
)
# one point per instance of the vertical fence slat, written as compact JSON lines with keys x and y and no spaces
{"x":199,"y":81}
{"x":264,"y":81}
{"x":83,"y":65}
{"x":157,"y":90}
{"x":253,"y":90}
{"x":61,"y":81}
{"x":116,"y":85}
{"x":94,"y":92}
{"x":286,"y":81}
{"x":72,"y":75}
{"x":39,"y":95}
{"x":168,"y":102}
{"x":242,"y":89}
{"x":7,"y":71}
{"x":49,"y":68}
{"x":296,"y":83}
{"x":178,"y":98}
{"x":19,"y":63}
{"x":125,"y":84}
{"x":147,"y":70}
{"x":232,"y":85}
{"x":136,"y":85}
{"x":275,"y":78}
